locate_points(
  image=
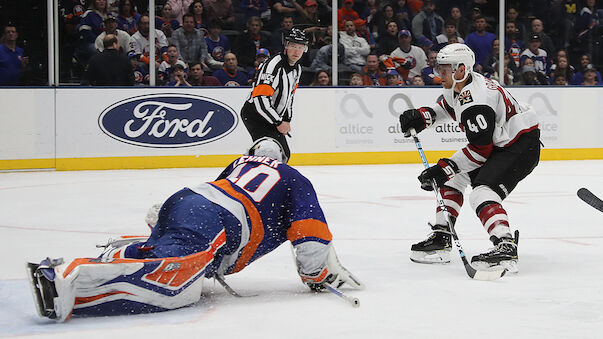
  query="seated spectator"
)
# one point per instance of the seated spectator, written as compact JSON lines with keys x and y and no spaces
{"x":372,"y":74}
{"x":127,"y":20}
{"x":141,"y":74}
{"x":347,"y":13}
{"x":11,"y":57}
{"x":537,"y":54}
{"x":140,"y":42}
{"x":463,"y":27}
{"x":561,"y":67}
{"x":590,"y":77}
{"x":487,"y":67}
{"x":509,"y":77}
{"x":411,"y":60}
{"x":428,"y":74}
{"x":89,"y":28}
{"x":179,"y":77}
{"x":166,"y":68}
{"x":111,"y":28}
{"x":404,"y":13}
{"x":230,"y":75}
{"x":480,"y":41}
{"x":110,"y":68}
{"x":392,"y":78}
{"x":356,"y":48}
{"x":252,"y":8}
{"x":179,"y":8}
{"x":356,"y":79}
{"x":513,"y":45}
{"x":200,"y":16}
{"x":276,"y":41}
{"x":512,"y":15}
{"x":449,"y":31}
{"x":427,"y":22}
{"x":528,"y":75}
{"x":196,"y":77}
{"x":560,"y":80}
{"x":584,"y":64}
{"x":281,"y":8}
{"x":250,"y":41}
{"x":384,"y":17}
{"x":417,"y":80}
{"x":388,"y":41}
{"x":317,"y":27}
{"x":321,"y":78}
{"x":217,"y":45}
{"x":260,"y":56}
{"x":324,"y":57}
{"x":363,"y":32}
{"x":221,"y":10}
{"x":190,"y":41}
{"x":546,"y":43}
{"x":167,"y":22}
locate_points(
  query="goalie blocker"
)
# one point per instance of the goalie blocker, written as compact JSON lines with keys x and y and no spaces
{"x":210,"y":230}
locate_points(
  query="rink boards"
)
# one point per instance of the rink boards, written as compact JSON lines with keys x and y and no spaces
{"x":120,"y":128}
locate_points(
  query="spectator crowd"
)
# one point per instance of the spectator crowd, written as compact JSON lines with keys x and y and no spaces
{"x":380,"y":42}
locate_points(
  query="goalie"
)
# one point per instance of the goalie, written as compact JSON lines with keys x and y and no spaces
{"x":503,"y":148}
{"x":210,"y":230}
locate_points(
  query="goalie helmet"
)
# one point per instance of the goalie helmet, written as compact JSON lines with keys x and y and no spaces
{"x":456,"y":55}
{"x":268,"y":147}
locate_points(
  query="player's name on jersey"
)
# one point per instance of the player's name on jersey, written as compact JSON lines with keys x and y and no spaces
{"x":252,"y":158}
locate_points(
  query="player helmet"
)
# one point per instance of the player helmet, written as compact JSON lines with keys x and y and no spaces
{"x":296,"y":35}
{"x":456,"y":55}
{"x":268,"y":147}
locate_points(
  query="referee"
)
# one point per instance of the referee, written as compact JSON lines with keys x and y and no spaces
{"x":268,"y":109}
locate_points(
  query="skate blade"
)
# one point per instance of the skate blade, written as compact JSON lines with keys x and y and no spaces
{"x":510,"y":265}
{"x":434,"y":257}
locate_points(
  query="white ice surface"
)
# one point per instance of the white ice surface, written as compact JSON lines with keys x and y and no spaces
{"x":375,"y":214}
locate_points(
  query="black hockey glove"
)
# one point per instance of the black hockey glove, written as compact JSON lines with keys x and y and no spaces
{"x":419,"y":119}
{"x":443,"y":171}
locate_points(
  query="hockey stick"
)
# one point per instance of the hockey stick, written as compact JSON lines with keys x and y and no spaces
{"x":591,"y":199}
{"x":355,"y":302}
{"x":472,"y":272}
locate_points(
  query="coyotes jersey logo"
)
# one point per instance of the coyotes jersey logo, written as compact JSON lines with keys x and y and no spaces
{"x":465,"y":97}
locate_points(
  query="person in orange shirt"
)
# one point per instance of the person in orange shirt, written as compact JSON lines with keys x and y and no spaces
{"x":346,"y":13}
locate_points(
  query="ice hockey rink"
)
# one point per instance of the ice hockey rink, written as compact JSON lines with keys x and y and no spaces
{"x":375,"y":213}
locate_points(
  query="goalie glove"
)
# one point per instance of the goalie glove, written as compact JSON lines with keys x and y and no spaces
{"x":419,"y":119}
{"x":332,"y":273}
{"x":441,"y":172}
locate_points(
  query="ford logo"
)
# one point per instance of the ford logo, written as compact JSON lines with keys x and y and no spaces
{"x":168,"y":120}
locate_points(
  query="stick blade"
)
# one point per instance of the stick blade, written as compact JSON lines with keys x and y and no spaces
{"x":485,"y":275}
{"x":589,"y":198}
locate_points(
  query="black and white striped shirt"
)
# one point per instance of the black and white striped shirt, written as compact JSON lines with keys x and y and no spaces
{"x":273,"y":89}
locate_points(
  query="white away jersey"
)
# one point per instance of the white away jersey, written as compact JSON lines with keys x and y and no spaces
{"x":490,"y":117}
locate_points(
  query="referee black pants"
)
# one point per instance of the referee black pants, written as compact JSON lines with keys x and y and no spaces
{"x":258,"y":127}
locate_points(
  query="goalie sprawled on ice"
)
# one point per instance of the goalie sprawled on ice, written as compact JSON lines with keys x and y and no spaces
{"x":211,"y":230}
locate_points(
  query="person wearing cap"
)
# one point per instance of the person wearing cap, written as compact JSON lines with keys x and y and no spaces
{"x":111,"y":28}
{"x":590,"y":77}
{"x":363,"y":32}
{"x":356,"y":48}
{"x":268,"y":110}
{"x":481,"y":40}
{"x":109,"y":68}
{"x":392,"y":78}
{"x":261,"y":55}
{"x":346,"y":13}
{"x":537,"y":54}
{"x":141,"y":74}
{"x":317,"y":26}
{"x":427,"y":22}
{"x":414,"y":57}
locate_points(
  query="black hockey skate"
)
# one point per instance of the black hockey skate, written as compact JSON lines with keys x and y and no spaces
{"x":503,"y":254}
{"x":435,"y":249}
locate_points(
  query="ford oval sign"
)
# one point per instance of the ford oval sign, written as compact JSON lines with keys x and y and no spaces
{"x":168,"y":120}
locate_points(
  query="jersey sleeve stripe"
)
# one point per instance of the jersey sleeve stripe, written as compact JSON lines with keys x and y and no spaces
{"x":263,"y":107}
{"x":308,"y":230}
{"x":469,"y":156}
{"x":262,"y":89}
{"x":257,"y":226}
{"x":483,"y":150}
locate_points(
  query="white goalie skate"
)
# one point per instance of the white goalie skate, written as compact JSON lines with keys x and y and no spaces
{"x":54,"y":295}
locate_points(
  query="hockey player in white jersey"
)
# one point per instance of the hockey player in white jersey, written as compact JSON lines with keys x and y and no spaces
{"x":503,"y":148}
